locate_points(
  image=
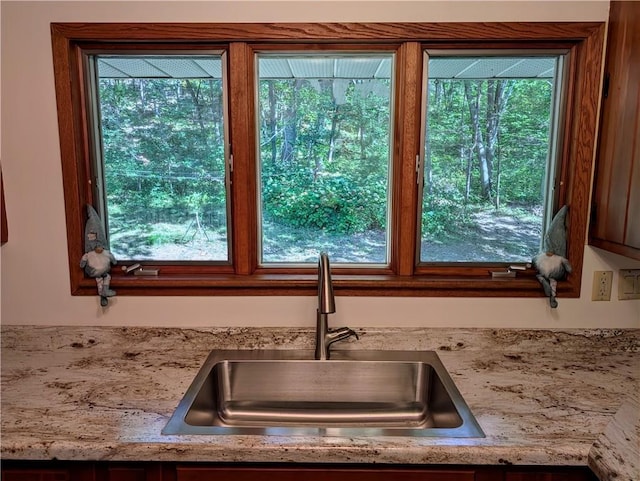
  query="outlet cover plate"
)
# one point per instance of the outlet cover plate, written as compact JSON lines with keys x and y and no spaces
{"x":602,"y":281}
{"x":628,"y":284}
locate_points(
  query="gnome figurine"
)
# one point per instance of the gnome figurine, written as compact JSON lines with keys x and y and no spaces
{"x":552,"y":263}
{"x":97,"y":260}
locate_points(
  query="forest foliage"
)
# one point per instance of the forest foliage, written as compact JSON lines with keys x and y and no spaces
{"x":324,"y":153}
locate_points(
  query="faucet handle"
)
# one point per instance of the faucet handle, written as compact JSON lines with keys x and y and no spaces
{"x":341,"y":333}
{"x":351,"y":332}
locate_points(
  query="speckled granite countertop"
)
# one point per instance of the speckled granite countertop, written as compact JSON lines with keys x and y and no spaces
{"x":542,"y":397}
{"x":616,"y":453}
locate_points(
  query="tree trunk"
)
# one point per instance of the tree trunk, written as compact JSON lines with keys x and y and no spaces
{"x":498,"y":175}
{"x":271,"y":122}
{"x":142,"y":94}
{"x":217,"y":112}
{"x":486,"y":136}
{"x":473,"y":100}
{"x":498,"y":92}
{"x":333,"y":134}
{"x":195,"y":97}
{"x":318,"y":164}
{"x":469,"y":171}
{"x":427,"y":179}
{"x":290,"y":130}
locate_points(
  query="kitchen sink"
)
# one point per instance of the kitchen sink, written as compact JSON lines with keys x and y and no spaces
{"x":357,"y":392}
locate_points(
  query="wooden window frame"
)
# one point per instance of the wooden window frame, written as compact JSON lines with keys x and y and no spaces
{"x":403,"y":277}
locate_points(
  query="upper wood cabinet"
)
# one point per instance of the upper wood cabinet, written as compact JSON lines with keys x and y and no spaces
{"x":615,"y":220}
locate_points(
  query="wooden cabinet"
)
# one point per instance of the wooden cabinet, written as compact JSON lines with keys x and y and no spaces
{"x":35,"y":475}
{"x":86,"y":471}
{"x":169,"y":471}
{"x":382,"y":473}
{"x":321,"y":474}
{"x":549,"y":476}
{"x":615,"y":220}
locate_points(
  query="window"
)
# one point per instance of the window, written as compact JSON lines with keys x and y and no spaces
{"x":227,"y":158}
{"x":489,"y":154}
{"x":325,"y":156}
{"x":160,"y":155}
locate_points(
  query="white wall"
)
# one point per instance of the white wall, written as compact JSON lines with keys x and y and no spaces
{"x":35,"y":285}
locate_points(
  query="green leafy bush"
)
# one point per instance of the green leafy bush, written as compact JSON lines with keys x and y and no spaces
{"x":331,"y":202}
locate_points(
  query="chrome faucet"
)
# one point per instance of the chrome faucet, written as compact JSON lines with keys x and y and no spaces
{"x":327,"y":305}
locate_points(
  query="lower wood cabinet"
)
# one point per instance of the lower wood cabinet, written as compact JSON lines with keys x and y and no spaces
{"x":156,"y":471}
{"x":550,"y":476}
{"x":322,"y":474}
{"x":27,"y":474}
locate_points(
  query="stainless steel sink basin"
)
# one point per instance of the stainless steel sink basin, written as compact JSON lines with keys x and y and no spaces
{"x":285,"y":392}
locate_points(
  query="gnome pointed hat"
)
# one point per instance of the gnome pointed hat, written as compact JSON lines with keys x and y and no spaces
{"x":93,"y":231}
{"x":555,"y":241}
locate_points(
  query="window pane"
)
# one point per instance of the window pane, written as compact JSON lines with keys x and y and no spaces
{"x":489,"y":151}
{"x":325,"y":129}
{"x":162,"y":140}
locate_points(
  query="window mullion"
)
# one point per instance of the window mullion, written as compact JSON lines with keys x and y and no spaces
{"x":242,"y":137}
{"x":407,"y":146}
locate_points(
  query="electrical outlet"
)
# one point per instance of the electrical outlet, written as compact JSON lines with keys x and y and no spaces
{"x":602,"y":285}
{"x":628,"y":284}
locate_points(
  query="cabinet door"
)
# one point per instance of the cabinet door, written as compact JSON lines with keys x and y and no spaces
{"x":574,"y":475}
{"x":126,"y":474}
{"x":35,"y":475}
{"x":319,"y":474}
{"x":133,"y":472}
{"x":615,"y":224}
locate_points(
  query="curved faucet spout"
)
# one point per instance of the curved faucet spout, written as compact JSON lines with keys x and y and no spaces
{"x":326,"y":305}
{"x":326,"y":300}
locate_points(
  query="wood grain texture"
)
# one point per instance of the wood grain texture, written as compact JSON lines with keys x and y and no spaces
{"x":71,"y":150}
{"x":407,"y":148}
{"x":243,"y":145}
{"x":615,"y":224}
{"x":327,"y":31}
{"x":582,"y":149}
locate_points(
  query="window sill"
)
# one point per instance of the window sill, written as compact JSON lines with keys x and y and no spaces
{"x":346,"y":285}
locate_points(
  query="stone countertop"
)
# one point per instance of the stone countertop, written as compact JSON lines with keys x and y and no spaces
{"x":616,"y":453}
{"x":542,"y":397}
